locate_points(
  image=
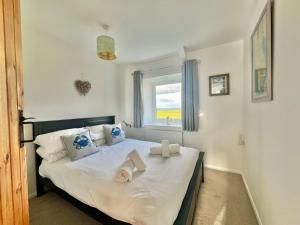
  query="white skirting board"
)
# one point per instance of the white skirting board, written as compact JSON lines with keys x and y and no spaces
{"x":246,"y":185}
{"x":252,"y":201}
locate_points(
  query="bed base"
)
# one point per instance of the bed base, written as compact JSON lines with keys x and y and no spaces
{"x":44,"y":185}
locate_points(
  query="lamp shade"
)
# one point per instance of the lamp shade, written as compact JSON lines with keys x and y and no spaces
{"x":106,"y":47}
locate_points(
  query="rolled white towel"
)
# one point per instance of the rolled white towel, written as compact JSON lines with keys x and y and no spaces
{"x":174,"y":148}
{"x":156,"y":150}
{"x":137,"y":160}
{"x":165,"y":148}
{"x":125,"y":172}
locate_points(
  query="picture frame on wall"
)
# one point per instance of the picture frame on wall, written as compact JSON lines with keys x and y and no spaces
{"x":261,"y":48}
{"x":219,"y":85}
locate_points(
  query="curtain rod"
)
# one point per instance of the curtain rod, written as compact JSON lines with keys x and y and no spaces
{"x":165,"y":67}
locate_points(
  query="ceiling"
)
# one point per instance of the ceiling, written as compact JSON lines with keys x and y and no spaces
{"x":143,"y":29}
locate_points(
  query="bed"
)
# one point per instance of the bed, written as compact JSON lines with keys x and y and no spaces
{"x":154,"y":197}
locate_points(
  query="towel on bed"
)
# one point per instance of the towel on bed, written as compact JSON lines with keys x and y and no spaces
{"x":174,"y":148}
{"x":125,"y":172}
{"x":157,"y":150}
{"x":165,"y":148}
{"x":137,"y":160}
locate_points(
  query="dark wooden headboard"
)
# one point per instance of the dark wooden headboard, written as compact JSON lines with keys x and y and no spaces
{"x":43,"y":127}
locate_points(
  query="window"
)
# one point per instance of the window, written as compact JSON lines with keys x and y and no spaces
{"x":162,"y":100}
{"x":168,"y":101}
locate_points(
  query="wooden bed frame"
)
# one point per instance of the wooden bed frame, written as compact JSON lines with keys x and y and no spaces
{"x":43,"y":185}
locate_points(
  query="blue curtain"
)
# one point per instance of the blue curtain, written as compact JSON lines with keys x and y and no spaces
{"x":138,"y":108}
{"x":190,"y":95}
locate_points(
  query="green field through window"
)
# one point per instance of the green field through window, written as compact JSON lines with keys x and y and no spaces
{"x":174,"y":114}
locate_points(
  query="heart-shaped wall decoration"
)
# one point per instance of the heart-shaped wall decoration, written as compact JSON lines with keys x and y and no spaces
{"x":83,"y":86}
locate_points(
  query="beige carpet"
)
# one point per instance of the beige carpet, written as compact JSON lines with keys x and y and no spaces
{"x":223,"y":201}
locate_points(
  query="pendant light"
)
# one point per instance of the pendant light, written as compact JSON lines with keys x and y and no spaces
{"x":106,"y":46}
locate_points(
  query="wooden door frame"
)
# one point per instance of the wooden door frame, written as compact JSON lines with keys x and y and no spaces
{"x":13,"y":168}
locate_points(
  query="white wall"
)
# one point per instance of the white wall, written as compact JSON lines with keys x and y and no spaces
{"x":221,"y":123}
{"x":50,"y":68}
{"x":271,"y":160}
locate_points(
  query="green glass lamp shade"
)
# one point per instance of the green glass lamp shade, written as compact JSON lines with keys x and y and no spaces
{"x":106,"y":47}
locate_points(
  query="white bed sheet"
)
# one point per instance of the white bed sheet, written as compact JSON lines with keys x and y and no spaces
{"x":154,"y":197}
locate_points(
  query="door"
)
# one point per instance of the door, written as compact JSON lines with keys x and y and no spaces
{"x":13,"y":170}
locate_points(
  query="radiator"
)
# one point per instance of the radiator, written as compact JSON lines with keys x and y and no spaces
{"x":155,"y":134}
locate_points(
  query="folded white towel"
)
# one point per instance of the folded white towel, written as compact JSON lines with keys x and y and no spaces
{"x":125,"y":172}
{"x":174,"y":148}
{"x":165,"y":148}
{"x":137,"y":160}
{"x":155,"y":150}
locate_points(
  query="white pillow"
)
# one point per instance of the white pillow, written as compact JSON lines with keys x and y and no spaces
{"x":51,"y":157}
{"x":52,"y":141}
{"x":99,"y":142}
{"x":97,"y":134}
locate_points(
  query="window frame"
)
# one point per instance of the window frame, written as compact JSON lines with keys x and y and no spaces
{"x":154,"y":109}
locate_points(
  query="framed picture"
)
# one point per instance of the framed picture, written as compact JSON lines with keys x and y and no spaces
{"x":261,"y":46}
{"x":219,"y":85}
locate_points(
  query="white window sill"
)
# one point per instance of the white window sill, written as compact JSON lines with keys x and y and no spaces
{"x":164,"y":127}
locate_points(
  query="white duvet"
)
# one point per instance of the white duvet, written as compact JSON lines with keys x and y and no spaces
{"x":154,"y":197}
